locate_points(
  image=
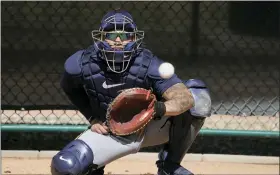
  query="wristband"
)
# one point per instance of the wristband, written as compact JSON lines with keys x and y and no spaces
{"x":160,"y":110}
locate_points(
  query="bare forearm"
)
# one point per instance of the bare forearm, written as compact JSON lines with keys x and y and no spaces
{"x":178,"y":100}
{"x":177,"y":106}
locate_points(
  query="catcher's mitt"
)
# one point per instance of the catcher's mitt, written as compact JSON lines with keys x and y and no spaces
{"x":130,"y":111}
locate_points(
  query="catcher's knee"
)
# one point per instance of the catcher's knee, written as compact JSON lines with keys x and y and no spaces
{"x":74,"y":159}
{"x":202,"y":99}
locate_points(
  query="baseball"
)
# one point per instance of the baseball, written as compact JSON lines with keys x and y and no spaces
{"x":166,"y":70}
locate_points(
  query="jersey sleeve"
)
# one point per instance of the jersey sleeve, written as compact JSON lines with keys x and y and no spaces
{"x":160,"y":85}
{"x":71,"y":65}
{"x":72,"y":86}
{"x":72,"y":72}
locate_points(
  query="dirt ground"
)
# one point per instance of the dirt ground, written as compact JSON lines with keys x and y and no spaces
{"x":34,"y":166}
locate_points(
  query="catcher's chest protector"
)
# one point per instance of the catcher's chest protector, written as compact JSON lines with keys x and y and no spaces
{"x":102,"y":86}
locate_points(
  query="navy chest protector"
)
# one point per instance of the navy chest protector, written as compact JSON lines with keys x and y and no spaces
{"x":102,"y":85}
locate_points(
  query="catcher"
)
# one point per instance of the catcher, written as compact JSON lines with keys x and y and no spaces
{"x":115,"y":84}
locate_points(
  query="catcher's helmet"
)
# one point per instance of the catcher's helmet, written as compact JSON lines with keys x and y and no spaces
{"x":117,"y":24}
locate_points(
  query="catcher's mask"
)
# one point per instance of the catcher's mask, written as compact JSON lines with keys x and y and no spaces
{"x":118,"y":39}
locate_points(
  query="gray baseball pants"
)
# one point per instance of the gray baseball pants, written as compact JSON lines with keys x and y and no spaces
{"x":107,"y":148}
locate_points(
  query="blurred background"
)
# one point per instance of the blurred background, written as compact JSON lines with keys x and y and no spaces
{"x":233,"y":46}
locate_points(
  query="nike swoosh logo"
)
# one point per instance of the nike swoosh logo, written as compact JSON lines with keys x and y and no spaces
{"x":105,"y":86}
{"x":68,"y":161}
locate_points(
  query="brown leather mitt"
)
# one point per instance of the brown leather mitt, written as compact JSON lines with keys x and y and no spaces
{"x":130,"y":111}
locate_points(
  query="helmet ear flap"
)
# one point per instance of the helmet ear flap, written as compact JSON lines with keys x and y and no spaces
{"x":102,"y":45}
{"x":130,"y":46}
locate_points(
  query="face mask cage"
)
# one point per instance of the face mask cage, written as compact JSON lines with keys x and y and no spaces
{"x":117,"y":25}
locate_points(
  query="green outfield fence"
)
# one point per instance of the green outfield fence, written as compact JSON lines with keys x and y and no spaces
{"x":233,"y":46}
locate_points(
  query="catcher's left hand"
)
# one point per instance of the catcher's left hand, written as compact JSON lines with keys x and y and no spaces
{"x":131,"y":111}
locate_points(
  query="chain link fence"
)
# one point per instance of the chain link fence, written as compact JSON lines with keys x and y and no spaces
{"x":233,"y":46}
